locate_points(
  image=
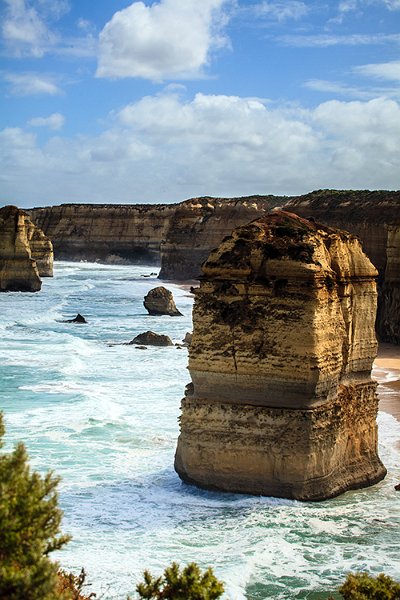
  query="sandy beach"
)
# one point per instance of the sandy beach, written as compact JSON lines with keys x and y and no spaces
{"x":387,"y":372}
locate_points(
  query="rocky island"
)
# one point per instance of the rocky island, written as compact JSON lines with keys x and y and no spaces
{"x":281,"y":401}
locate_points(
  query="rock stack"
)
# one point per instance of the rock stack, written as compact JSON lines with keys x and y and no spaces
{"x":282,"y":402}
{"x":20,"y":243}
{"x":160,"y":301}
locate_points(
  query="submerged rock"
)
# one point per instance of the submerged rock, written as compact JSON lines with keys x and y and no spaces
{"x":18,"y":270}
{"x":149,"y":338}
{"x":282,"y":401}
{"x":160,"y":301}
{"x":397,"y":487}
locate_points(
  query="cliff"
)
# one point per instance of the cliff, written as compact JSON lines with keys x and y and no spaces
{"x":374,"y":216}
{"x":200,"y":224}
{"x":105,"y":232}
{"x":281,"y":401}
{"x":180,"y":236}
{"x":18,"y":270}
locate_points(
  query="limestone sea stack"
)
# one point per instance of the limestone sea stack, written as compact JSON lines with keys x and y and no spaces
{"x":41,"y":249}
{"x":18,"y":270}
{"x":282,"y":402}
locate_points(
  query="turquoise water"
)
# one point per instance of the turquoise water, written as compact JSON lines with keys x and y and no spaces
{"x":104,"y":417}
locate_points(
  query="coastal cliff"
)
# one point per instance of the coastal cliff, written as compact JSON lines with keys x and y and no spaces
{"x":18,"y":270}
{"x":180,"y":236}
{"x":281,"y":401}
{"x":114,"y":233}
{"x":200,"y":224}
{"x":374,"y":216}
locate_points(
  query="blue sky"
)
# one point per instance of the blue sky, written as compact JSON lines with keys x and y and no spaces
{"x":112,"y":101}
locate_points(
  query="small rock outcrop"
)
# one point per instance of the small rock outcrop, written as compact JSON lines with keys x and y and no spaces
{"x":149,"y":338}
{"x":282,"y":402}
{"x":78,"y":319}
{"x":160,"y":301}
{"x":18,"y":270}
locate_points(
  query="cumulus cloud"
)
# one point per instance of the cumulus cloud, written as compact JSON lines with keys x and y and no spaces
{"x":28,"y":84}
{"x":167,"y":148}
{"x":168,"y":39}
{"x":54,"y":121}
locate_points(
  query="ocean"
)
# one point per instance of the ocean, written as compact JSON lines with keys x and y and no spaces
{"x":103,"y":416}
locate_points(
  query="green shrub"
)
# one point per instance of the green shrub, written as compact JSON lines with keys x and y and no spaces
{"x":188,"y":584}
{"x":361,"y":586}
{"x":29,"y":528}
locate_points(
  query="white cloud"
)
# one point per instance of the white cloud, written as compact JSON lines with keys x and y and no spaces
{"x":389,"y":70}
{"x":27,"y":84}
{"x":326,"y":40}
{"x":281,"y":11}
{"x":24,"y":32}
{"x":166,"y":148}
{"x":168,"y":39}
{"x":342,"y":89}
{"x":54,"y":121}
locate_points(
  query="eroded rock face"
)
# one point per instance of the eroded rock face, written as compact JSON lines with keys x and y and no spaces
{"x":282,"y":401}
{"x":374,"y":216}
{"x":41,"y":250}
{"x":200,"y":224}
{"x":18,"y":270}
{"x":160,"y":301}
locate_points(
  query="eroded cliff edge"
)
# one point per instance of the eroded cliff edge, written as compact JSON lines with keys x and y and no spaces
{"x":18,"y":269}
{"x":281,"y":401}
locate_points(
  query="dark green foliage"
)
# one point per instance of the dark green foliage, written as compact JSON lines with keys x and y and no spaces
{"x":29,"y":528}
{"x":188,"y":584}
{"x":361,"y":586}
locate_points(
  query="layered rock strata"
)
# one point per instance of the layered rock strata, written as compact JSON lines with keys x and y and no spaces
{"x":18,"y":270}
{"x":179,"y":236}
{"x":374,"y":216}
{"x":281,"y":401}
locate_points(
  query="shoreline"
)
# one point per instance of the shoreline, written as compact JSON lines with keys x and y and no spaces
{"x":386,"y":371}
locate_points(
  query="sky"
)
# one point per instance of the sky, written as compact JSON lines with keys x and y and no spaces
{"x":111,"y":101}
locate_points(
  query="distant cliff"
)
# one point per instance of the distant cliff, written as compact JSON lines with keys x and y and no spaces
{"x":200,"y":224}
{"x":375,"y":218}
{"x":20,"y":243}
{"x":180,"y":236}
{"x":105,"y":232}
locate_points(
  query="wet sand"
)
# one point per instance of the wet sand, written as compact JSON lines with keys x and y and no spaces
{"x":387,"y":372}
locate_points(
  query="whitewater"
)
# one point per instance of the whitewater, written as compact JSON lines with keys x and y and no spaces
{"x":104,"y":416}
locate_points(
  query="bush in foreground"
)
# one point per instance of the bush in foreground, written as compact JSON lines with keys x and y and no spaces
{"x":186,"y":584}
{"x":29,"y":528}
{"x":361,"y":586}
